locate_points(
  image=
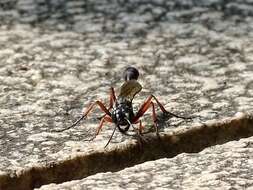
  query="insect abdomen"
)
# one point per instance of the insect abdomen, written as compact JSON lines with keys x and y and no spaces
{"x":121,"y":113}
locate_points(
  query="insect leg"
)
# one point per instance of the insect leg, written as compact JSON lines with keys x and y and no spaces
{"x":138,"y":132}
{"x":106,"y":118}
{"x":101,"y":106}
{"x":154,"y":117}
{"x":140,"y":127}
{"x":143,"y":109}
{"x":87,"y":111}
{"x":167,"y":112}
{"x":73,"y":125}
{"x":112,"y":99}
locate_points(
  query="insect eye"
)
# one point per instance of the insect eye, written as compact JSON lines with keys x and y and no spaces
{"x":131,"y":73}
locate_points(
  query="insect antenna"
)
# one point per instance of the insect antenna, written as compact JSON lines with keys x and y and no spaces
{"x":131,"y":125}
{"x":138,"y":134}
{"x":111,"y":136}
{"x":71,"y":126}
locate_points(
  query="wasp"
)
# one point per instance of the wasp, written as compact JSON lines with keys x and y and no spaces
{"x":120,"y":110}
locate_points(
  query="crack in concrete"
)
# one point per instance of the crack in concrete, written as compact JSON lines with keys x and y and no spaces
{"x":119,"y":157}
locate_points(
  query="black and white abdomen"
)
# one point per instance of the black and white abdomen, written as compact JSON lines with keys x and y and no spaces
{"x":122,"y":113}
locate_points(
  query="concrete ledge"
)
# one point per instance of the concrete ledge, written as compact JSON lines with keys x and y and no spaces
{"x":116,"y":158}
{"x":226,"y":166}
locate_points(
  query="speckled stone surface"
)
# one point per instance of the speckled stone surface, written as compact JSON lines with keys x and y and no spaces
{"x":227,"y":166}
{"x":197,"y":58}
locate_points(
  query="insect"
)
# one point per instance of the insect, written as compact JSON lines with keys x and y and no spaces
{"x":120,"y":110}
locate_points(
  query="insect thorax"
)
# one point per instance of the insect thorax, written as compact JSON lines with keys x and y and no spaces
{"x":122,"y":112}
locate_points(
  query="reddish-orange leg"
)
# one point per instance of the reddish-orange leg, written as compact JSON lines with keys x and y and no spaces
{"x":107,"y":118}
{"x":147,"y":104}
{"x":143,"y":109}
{"x":112,"y":100}
{"x":140,"y":127}
{"x":102,"y":108}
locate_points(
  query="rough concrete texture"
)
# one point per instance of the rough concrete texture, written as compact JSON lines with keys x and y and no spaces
{"x":55,"y":58}
{"x":227,"y":166}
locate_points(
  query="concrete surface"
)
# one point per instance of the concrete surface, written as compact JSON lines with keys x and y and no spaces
{"x":227,"y":166}
{"x":57,"y":58}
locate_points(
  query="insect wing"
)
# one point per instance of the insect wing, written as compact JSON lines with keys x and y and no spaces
{"x":129,"y":89}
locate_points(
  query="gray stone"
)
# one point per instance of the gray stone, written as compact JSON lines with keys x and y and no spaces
{"x":227,"y":166}
{"x":196,"y":57}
